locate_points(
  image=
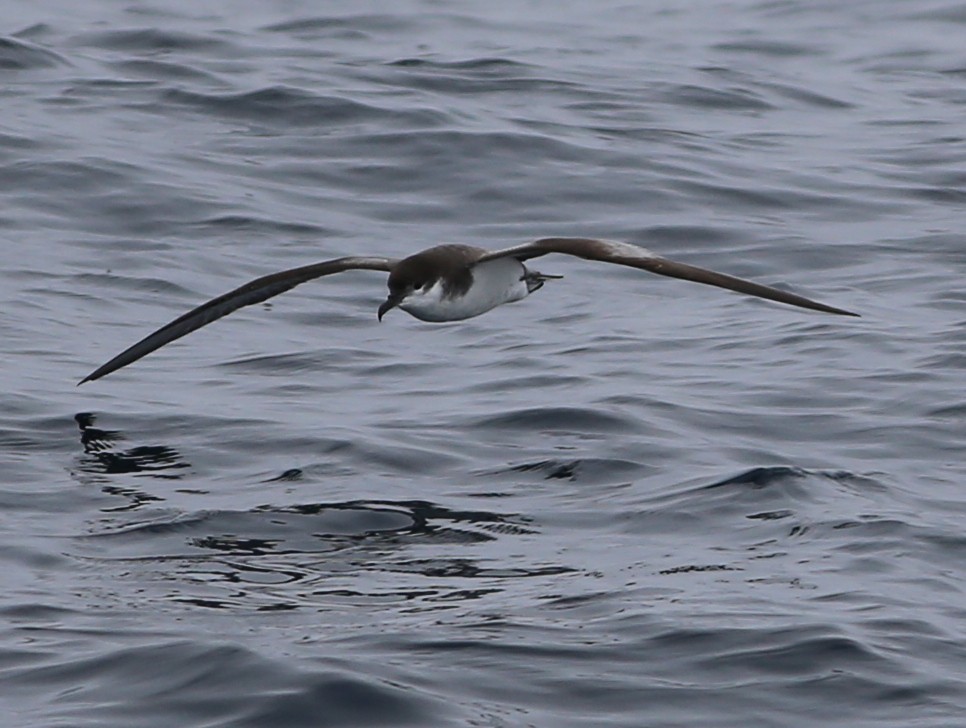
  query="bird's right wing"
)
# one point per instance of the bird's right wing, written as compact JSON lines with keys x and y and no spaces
{"x":255,"y":291}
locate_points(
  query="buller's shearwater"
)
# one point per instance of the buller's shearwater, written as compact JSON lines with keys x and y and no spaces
{"x":450,"y":283}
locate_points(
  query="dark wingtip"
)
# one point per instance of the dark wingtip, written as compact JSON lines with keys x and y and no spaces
{"x":96,"y":374}
{"x":842,"y":312}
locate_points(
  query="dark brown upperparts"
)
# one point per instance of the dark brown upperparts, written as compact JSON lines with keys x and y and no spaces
{"x":450,"y":263}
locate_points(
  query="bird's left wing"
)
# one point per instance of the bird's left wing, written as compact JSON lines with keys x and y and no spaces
{"x":255,"y":291}
{"x":612,"y":251}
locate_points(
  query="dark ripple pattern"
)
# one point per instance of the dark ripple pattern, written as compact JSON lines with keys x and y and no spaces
{"x":624,"y":501}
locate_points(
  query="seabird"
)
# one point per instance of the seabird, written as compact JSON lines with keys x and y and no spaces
{"x":451,"y":283}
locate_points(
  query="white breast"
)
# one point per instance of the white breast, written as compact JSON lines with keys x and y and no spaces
{"x":495,"y":282}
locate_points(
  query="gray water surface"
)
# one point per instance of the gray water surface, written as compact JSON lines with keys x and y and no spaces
{"x":625,"y":501}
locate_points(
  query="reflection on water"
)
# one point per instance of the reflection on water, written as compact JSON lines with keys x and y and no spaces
{"x":252,"y":552}
{"x":103,"y":457}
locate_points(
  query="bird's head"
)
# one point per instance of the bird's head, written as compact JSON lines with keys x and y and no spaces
{"x":404,"y":281}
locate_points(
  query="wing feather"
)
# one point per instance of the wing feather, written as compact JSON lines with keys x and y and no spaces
{"x":255,"y":291}
{"x":612,"y":251}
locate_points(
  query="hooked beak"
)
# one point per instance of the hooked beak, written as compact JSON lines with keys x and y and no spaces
{"x":389,"y":304}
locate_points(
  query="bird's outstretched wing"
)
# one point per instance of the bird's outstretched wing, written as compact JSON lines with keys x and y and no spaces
{"x":255,"y":291}
{"x":612,"y":251}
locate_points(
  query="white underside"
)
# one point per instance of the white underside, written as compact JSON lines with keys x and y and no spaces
{"x":495,"y":282}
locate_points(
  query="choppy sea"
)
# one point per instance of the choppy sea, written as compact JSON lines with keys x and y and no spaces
{"x":626,"y":501}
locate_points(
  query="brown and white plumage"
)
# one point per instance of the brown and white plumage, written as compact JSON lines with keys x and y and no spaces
{"x":451,"y":283}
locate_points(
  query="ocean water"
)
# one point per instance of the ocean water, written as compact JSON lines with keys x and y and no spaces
{"x":626,"y":501}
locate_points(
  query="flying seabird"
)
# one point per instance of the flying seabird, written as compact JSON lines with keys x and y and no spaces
{"x":451,"y":283}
